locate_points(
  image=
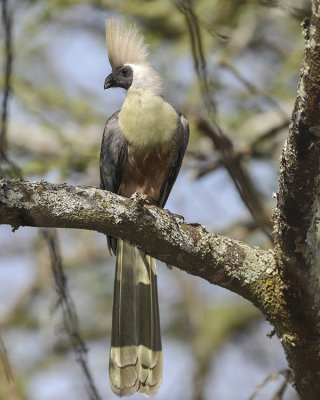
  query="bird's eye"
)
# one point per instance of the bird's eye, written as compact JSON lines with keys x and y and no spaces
{"x":124,"y":72}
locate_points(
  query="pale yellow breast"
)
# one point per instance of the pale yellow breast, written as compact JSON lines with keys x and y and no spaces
{"x":146,"y":119}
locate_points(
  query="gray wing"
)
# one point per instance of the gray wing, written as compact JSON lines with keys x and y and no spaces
{"x":113,"y":158}
{"x":183,"y":134}
{"x":113,"y":155}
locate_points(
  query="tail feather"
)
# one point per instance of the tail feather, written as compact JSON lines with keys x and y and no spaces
{"x":135,"y":355}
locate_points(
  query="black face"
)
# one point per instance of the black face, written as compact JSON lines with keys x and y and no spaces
{"x":121,"y":77}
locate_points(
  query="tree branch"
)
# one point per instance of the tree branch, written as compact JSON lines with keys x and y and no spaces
{"x":6,"y":20}
{"x":69,"y":314}
{"x":300,"y":167}
{"x":296,"y":218}
{"x":220,"y":260}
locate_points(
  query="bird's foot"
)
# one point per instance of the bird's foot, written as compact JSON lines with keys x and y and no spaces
{"x":180,"y":217}
{"x":139,"y":199}
{"x":175,"y":218}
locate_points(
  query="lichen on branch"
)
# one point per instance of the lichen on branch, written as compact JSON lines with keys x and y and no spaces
{"x":218,"y":259}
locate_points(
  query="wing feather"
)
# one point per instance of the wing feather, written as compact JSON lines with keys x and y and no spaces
{"x":113,"y":158}
{"x":183,"y":137}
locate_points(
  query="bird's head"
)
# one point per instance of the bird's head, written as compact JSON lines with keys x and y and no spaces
{"x":121,"y":77}
{"x":128,"y":57}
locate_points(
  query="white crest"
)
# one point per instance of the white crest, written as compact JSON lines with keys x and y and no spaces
{"x":125,"y":44}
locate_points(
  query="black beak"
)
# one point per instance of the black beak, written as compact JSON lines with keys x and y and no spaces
{"x":109,"y":82}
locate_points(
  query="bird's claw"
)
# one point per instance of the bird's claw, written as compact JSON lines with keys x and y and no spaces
{"x":139,"y":199}
{"x":174,"y":218}
{"x":180,"y":217}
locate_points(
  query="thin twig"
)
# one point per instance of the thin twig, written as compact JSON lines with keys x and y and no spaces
{"x":254,"y":90}
{"x":239,"y":177}
{"x":251,"y":150}
{"x":5,"y":360}
{"x":64,"y":298}
{"x":70,"y":318}
{"x":269,"y":134}
{"x":274,"y":376}
{"x":6,"y":21}
{"x":8,"y":386}
{"x":223,"y":144}
{"x":208,"y":167}
{"x":198,"y":54}
{"x":7,"y":24}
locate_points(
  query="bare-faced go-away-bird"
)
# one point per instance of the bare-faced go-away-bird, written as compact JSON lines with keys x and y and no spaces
{"x":142,"y":150}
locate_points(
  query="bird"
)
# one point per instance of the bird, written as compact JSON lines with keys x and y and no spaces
{"x":142,"y":148}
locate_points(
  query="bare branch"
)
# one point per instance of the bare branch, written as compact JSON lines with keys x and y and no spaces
{"x":254,"y":90}
{"x":8,"y":385}
{"x":300,"y":164}
{"x":240,"y":178}
{"x":70,"y":318}
{"x":272,"y":377}
{"x":269,"y":134}
{"x":7,"y":24}
{"x":199,"y":59}
{"x":296,"y":217}
{"x":5,"y":360}
{"x":218,"y":259}
{"x":6,"y":21}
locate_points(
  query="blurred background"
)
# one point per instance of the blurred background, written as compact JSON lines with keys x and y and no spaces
{"x":232,"y":67}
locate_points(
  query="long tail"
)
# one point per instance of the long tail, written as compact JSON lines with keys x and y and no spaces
{"x":135,"y":356}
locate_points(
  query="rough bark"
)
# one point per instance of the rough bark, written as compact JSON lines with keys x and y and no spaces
{"x":218,"y":259}
{"x":296,"y":221}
